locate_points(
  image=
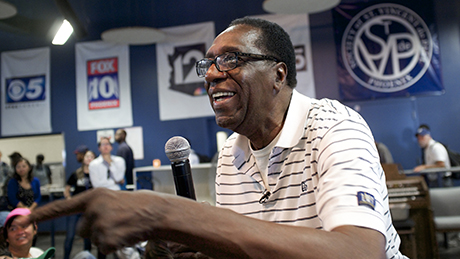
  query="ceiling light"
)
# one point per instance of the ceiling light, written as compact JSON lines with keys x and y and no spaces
{"x":63,"y":33}
{"x":7,"y":10}
{"x":298,"y":6}
{"x":134,"y":35}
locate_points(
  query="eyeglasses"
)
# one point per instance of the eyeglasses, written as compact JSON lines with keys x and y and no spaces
{"x":227,"y":61}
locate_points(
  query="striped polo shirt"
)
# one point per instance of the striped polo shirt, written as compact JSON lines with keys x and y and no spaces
{"x":324,"y":172}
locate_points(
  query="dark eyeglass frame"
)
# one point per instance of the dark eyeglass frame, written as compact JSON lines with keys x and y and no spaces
{"x":202,"y":66}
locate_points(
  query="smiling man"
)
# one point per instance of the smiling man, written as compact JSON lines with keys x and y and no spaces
{"x":299,"y":178}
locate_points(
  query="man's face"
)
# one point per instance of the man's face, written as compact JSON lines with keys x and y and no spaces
{"x":119,"y":136}
{"x":105,"y":147}
{"x":241,"y":98}
{"x":80,"y":157}
{"x":20,"y":235}
{"x":423,"y":140}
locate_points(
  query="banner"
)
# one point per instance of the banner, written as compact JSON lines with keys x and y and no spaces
{"x":26,"y":92}
{"x":298,"y":28}
{"x":387,"y":49}
{"x":181,"y":92}
{"x":103,"y":85}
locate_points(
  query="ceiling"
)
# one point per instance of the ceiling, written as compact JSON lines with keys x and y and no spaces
{"x":37,"y":21}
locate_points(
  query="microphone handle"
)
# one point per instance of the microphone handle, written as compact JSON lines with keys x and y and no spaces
{"x":183,"y":179}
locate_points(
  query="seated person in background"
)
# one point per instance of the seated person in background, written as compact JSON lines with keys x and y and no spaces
{"x":23,"y":188}
{"x":41,"y":171}
{"x":19,"y":237}
{"x":5,"y":171}
{"x":434,"y":155}
{"x":107,"y":170}
{"x":5,"y":175}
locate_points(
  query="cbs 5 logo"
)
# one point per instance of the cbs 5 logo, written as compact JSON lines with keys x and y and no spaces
{"x":25,"y":89}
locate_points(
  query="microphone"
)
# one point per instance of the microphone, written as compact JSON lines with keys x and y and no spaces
{"x":177,"y":149}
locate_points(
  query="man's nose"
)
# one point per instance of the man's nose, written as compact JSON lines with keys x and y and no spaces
{"x":213,"y":73}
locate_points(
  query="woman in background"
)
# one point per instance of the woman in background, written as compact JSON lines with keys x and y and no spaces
{"x":79,"y":180}
{"x":23,"y":188}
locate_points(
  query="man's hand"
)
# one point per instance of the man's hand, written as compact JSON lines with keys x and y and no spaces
{"x":111,"y":219}
{"x":419,"y":168}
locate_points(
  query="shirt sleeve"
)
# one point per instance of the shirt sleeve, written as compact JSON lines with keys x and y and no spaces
{"x":72,"y":181}
{"x":117,"y":168}
{"x":440,"y":153}
{"x":12,"y":191}
{"x":36,"y":189}
{"x":350,"y":189}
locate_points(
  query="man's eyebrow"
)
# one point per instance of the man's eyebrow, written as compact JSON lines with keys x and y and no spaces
{"x":224,"y":50}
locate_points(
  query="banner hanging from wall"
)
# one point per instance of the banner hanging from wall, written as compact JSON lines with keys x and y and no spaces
{"x":387,"y":49}
{"x":181,"y":92}
{"x":298,"y":28}
{"x":103,"y":85}
{"x":26,"y":92}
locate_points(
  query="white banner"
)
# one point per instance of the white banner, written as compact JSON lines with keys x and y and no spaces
{"x":103,"y":85}
{"x":298,"y":28}
{"x":181,"y":92}
{"x":26,"y":92}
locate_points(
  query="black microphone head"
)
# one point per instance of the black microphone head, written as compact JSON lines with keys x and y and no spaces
{"x":177,"y":149}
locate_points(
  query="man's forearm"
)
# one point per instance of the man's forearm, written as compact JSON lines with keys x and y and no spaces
{"x":222,"y":233}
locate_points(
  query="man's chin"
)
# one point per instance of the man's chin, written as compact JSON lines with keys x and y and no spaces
{"x":225,"y":122}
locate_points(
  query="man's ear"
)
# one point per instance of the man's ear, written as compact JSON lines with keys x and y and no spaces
{"x":281,"y":74}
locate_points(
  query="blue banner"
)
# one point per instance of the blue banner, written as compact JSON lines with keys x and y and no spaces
{"x":387,"y":49}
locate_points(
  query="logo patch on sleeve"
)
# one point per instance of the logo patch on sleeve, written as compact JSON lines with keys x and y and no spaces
{"x":366,"y":199}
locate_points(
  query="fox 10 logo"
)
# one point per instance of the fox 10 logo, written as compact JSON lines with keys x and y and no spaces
{"x":103,"y":87}
{"x":25,"y":89}
{"x":387,"y":47}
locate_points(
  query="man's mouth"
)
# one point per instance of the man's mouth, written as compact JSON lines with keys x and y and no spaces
{"x":221,"y":96}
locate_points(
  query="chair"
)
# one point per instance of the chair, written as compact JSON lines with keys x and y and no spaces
{"x":446,"y":209}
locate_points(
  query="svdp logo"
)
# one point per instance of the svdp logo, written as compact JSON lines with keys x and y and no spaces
{"x":103,"y":90}
{"x":387,"y":47}
{"x":25,"y":89}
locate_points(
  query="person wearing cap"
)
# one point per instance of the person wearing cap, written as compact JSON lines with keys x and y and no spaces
{"x":19,"y":237}
{"x":434,"y":156}
{"x":80,"y":153}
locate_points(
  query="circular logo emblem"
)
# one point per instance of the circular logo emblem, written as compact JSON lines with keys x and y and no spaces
{"x":387,"y":47}
{"x":16,"y":90}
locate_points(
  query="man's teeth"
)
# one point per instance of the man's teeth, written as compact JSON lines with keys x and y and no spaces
{"x":219,"y":95}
